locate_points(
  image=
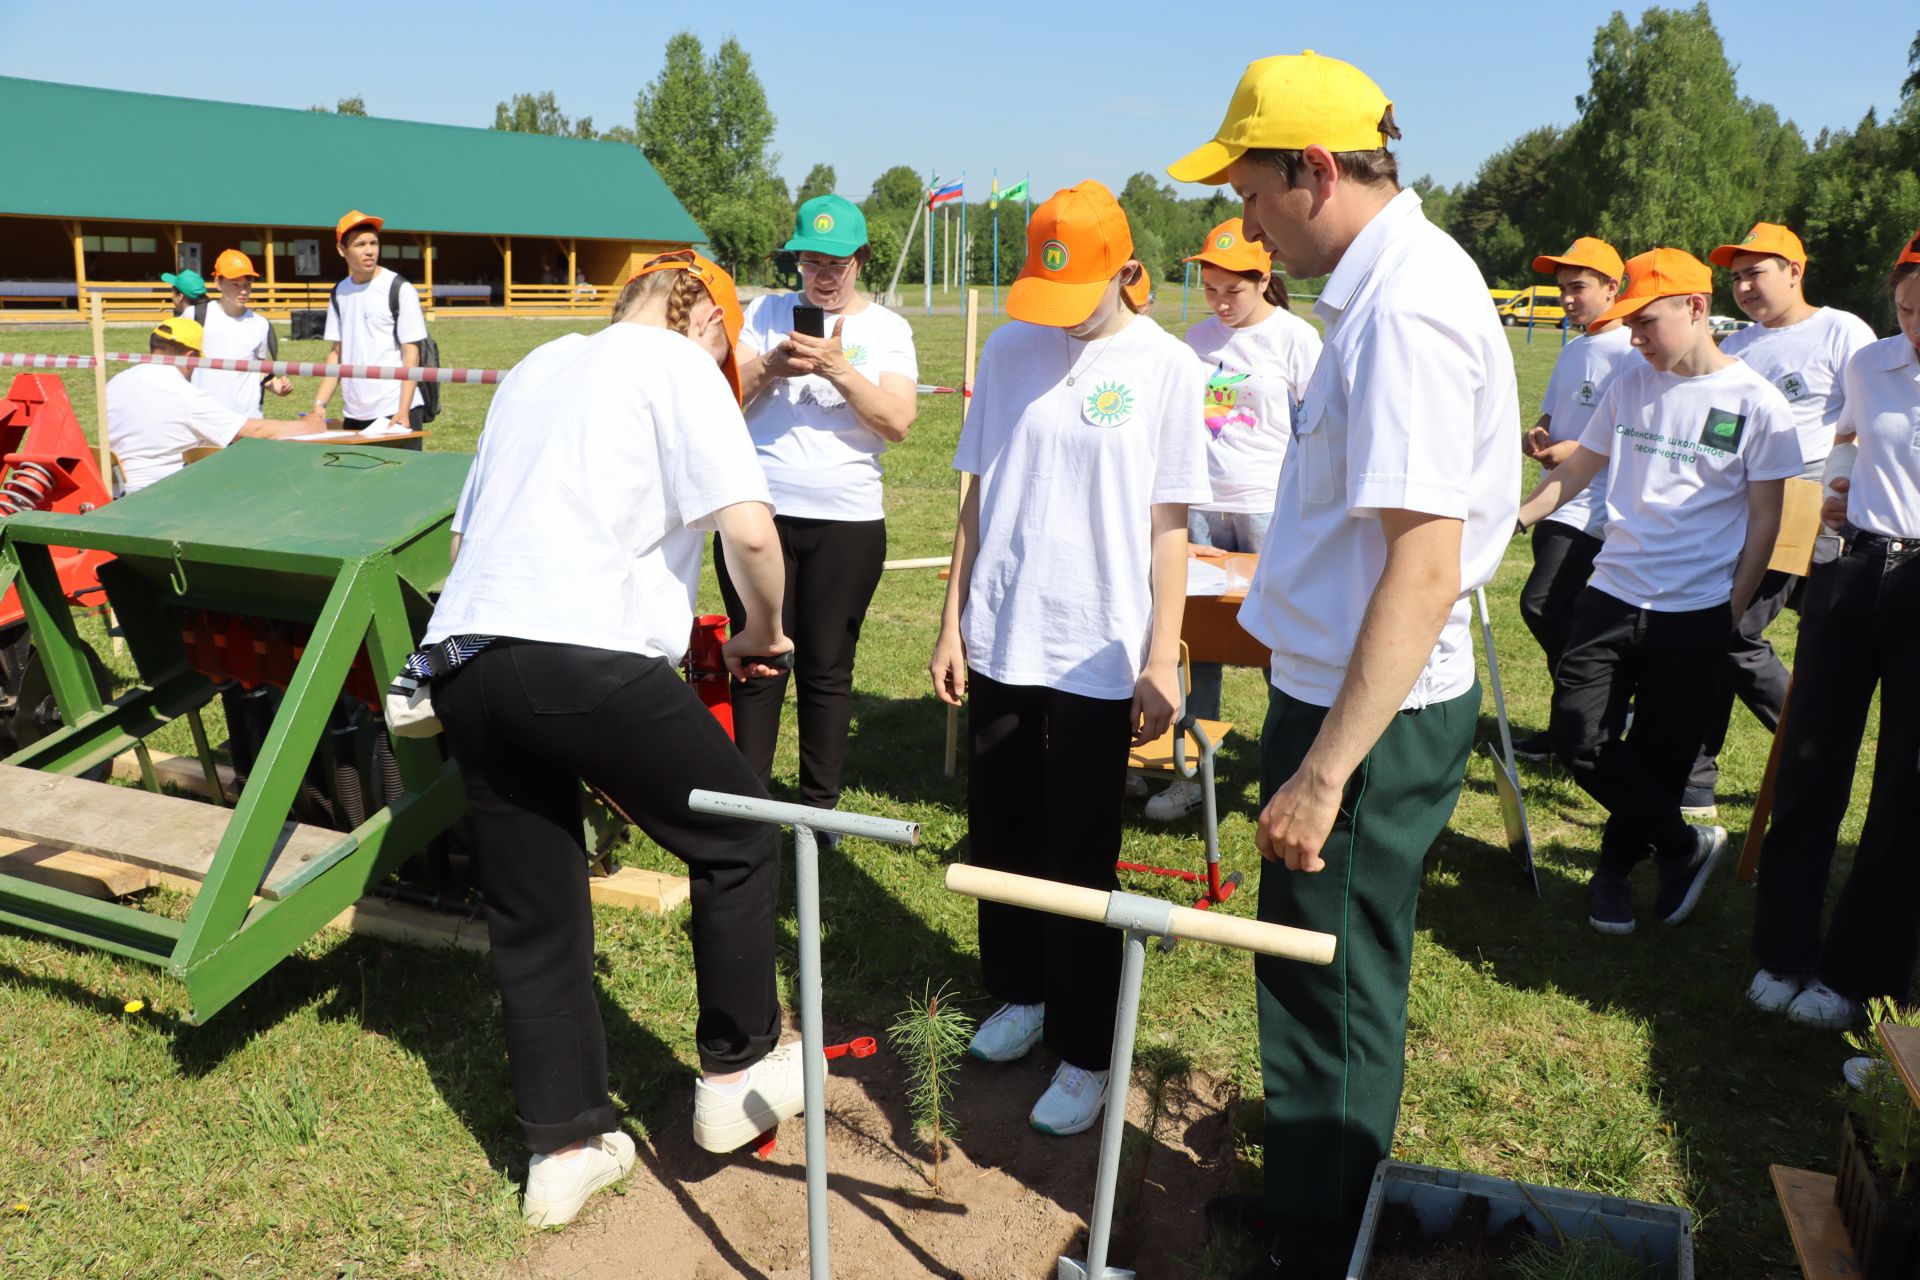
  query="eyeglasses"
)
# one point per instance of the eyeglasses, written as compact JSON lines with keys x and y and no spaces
{"x":834,"y":266}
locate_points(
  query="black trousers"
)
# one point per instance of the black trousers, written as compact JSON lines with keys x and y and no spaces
{"x":527,"y":723}
{"x":1046,"y":778}
{"x":1562,"y":562}
{"x":1857,"y":630}
{"x":833,"y":567}
{"x":1752,"y":672}
{"x":1667,"y":663}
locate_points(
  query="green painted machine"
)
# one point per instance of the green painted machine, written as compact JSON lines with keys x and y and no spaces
{"x":298,"y":567}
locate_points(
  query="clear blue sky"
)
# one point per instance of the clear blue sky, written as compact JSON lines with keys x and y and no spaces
{"x":1101,"y":92}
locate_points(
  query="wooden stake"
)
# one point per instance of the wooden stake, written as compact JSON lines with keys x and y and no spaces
{"x":952,"y":759}
{"x":99,"y":323}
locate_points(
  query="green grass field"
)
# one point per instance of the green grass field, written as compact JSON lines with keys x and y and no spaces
{"x":349,"y":1116}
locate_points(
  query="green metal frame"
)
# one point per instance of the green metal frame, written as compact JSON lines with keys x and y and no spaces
{"x":366,"y":589}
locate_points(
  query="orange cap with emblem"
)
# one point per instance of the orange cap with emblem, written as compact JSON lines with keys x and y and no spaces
{"x":1076,"y":243}
{"x":355,"y":218}
{"x":1658,"y":273}
{"x":1228,"y":247}
{"x":1588,"y":252}
{"x":719,"y":286}
{"x":232,"y":264}
{"x":1766,"y":237}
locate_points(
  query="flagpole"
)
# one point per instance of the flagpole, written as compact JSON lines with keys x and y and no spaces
{"x":962,"y":260}
{"x":927,"y":258}
{"x":994,"y":208}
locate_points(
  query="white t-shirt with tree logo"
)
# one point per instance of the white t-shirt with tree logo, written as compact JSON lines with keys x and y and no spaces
{"x":1581,"y":375}
{"x":1806,"y":361}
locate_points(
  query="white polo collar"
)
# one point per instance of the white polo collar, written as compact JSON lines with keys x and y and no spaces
{"x":1357,"y":263}
{"x":1898,"y":354}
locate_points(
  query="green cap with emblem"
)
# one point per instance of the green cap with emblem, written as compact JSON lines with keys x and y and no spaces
{"x":828,"y":224}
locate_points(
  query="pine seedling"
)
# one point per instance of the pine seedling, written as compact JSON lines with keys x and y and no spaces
{"x":930,"y":1036}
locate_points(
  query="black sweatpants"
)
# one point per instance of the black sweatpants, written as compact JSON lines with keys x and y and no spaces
{"x":1857,"y":629}
{"x":527,"y":722}
{"x":1046,"y":778}
{"x":833,"y":567}
{"x":1752,"y":672}
{"x":1668,"y":664}
{"x":1562,"y":562}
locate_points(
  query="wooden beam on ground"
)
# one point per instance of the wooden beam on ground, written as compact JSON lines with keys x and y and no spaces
{"x":182,"y":773}
{"x":401,"y":922}
{"x":651,"y":891}
{"x":69,"y":869}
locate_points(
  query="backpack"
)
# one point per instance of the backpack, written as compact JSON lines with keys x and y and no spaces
{"x":429,"y":349}
{"x":273,"y":339}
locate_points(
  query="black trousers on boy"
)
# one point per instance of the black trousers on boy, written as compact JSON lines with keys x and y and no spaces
{"x":1668,"y":664}
{"x":1562,"y":562}
{"x":1857,"y":629}
{"x":833,"y":567}
{"x":1046,"y":778}
{"x":1751,"y":672}
{"x":527,"y":722}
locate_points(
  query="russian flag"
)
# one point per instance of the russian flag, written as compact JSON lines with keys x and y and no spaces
{"x":943,"y":195}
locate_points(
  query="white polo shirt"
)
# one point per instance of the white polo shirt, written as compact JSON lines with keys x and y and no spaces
{"x":1883,"y":409}
{"x":154,"y":415}
{"x":233,"y":338}
{"x":1580,"y":377}
{"x":1255,"y":376}
{"x":603,"y":459}
{"x":1412,"y":407}
{"x":1680,"y":453}
{"x":364,"y":324}
{"x":1806,"y":361}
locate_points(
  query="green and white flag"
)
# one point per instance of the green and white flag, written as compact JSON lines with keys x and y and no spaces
{"x":1018,"y":191}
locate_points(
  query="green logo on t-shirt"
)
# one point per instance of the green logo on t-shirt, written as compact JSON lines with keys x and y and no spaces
{"x":1793,"y":387}
{"x":1722,"y":430}
{"x":1586,"y":392}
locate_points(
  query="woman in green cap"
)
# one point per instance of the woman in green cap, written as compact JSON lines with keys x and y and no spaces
{"x":822,"y":410}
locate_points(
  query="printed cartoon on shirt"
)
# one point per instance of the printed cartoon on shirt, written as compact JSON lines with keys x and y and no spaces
{"x":1222,"y":409}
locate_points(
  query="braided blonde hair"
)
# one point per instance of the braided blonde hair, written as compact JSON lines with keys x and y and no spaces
{"x":686,"y":292}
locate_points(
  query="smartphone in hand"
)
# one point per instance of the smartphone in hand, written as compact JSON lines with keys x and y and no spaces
{"x":810,"y":320}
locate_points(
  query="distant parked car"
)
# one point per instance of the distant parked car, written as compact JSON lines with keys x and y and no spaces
{"x":1536,"y":304}
{"x":1723,"y":325}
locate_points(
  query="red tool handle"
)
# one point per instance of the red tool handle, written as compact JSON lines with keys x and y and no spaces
{"x":862,"y":1047}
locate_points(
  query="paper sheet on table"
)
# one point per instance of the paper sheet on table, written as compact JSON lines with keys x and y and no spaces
{"x":346,"y":435}
{"x":1205,"y":578}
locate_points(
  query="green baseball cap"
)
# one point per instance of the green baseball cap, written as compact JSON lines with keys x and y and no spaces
{"x":188,"y":283}
{"x":828,"y":224}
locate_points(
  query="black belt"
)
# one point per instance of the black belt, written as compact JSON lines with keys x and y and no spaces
{"x":1864,"y":541}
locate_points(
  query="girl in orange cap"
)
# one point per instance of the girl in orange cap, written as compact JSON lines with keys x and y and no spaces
{"x":1062,"y":616}
{"x":1258,"y":357}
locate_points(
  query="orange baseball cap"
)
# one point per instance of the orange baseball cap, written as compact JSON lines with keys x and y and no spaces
{"x":1658,"y":273}
{"x":1228,"y":247}
{"x":1588,"y":252}
{"x":1766,"y":237}
{"x":355,"y":218}
{"x":232,"y":264}
{"x":1076,"y":243}
{"x":719,"y":286}
{"x":1911,"y":253}
{"x":1140,"y":292}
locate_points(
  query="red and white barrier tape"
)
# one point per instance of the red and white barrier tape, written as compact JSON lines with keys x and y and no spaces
{"x":926,"y":390}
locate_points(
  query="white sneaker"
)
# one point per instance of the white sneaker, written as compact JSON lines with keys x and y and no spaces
{"x":1071,"y":1102}
{"x":1773,"y":992}
{"x":1179,"y":799}
{"x":1136,"y":787}
{"x":1819,"y":1005}
{"x":1010,"y":1033}
{"x":727,"y":1117}
{"x":1856,"y":1071}
{"x":558,"y":1185}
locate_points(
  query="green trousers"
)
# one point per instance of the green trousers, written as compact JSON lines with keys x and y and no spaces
{"x":1333,"y":1037}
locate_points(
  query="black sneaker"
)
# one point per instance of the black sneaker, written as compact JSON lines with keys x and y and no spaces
{"x":1241,"y":1213}
{"x":1535,"y":747}
{"x":1699,"y":802}
{"x":1682,"y":879}
{"x":1610,"y":903}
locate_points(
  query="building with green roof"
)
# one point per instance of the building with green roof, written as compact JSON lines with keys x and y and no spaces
{"x":108,"y":188}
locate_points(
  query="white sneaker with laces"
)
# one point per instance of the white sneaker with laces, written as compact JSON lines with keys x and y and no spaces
{"x":557,"y":1186}
{"x":1180,"y":798}
{"x":1071,"y":1103}
{"x":1856,"y":1071}
{"x":727,"y":1117}
{"x":1819,"y":1005}
{"x":1772,"y":992}
{"x":1010,"y":1033}
{"x":1136,"y":787}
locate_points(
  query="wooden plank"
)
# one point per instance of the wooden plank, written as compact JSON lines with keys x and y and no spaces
{"x":399,"y":922}
{"x":1819,"y":1237}
{"x":182,"y":773}
{"x":1799,"y":527}
{"x":75,"y":872}
{"x":651,"y":891}
{"x":166,"y":833}
{"x":1903,"y":1047}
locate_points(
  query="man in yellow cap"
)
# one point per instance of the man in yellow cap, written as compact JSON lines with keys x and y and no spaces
{"x":155,"y":413}
{"x":1565,"y":543}
{"x":1803,"y":350}
{"x":1396,"y":501}
{"x":235,"y":331}
{"x":1697,"y":448}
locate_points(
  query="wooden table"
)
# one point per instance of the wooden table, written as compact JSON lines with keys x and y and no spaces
{"x":397,"y":440}
{"x":1211,"y":626}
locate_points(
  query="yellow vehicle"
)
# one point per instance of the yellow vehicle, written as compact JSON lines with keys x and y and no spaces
{"x":1502,"y":296}
{"x":1537,"y":304}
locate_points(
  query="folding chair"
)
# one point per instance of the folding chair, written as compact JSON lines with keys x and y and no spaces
{"x":1171,"y":756}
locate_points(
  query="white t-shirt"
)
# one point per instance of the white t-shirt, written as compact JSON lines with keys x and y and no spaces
{"x":364,"y":326}
{"x":1062,"y":592}
{"x":154,"y":415}
{"x":1680,"y":452}
{"x":603,"y":459}
{"x":228,"y":338}
{"x":1806,"y":361}
{"x":1255,"y":377}
{"x":1883,"y":409}
{"x":822,"y":462}
{"x":1413,"y":407}
{"x":1580,"y":377}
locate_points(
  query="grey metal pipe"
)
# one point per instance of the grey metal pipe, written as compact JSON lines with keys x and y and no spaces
{"x":888,"y":830}
{"x":1113,"y":1125}
{"x":806,"y":883}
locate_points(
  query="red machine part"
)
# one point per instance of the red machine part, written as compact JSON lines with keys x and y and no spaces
{"x":707,"y":670}
{"x":257,"y":651}
{"x":46,"y":464}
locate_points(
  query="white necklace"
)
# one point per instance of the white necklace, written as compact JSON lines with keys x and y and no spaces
{"x":1072,"y":371}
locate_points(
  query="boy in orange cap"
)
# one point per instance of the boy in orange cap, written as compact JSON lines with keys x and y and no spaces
{"x":1697,"y":448}
{"x":1062,"y":617}
{"x":1803,"y":350}
{"x":1396,"y":500}
{"x":234,"y":331}
{"x":1565,"y":543}
{"x":373,"y":318}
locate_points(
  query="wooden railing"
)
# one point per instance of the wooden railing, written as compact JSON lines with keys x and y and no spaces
{"x":143,"y":300}
{"x":560,"y":299}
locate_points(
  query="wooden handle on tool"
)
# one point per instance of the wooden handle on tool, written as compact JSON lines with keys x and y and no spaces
{"x":1091,"y":904}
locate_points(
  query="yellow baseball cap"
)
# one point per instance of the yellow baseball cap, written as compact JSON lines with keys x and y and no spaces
{"x":1658,"y":273}
{"x":1766,"y":237}
{"x":1588,"y":252}
{"x":1286,"y":103}
{"x":184,"y":330}
{"x":1228,"y":247}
